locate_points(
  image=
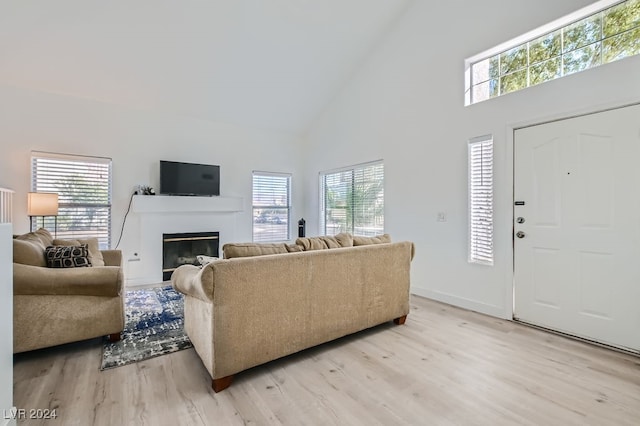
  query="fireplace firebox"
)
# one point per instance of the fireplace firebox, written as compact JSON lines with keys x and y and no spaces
{"x":183,"y":249}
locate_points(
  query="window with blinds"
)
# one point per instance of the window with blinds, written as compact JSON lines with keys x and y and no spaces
{"x":481,"y":200}
{"x":83,"y":185}
{"x":352,"y":200}
{"x":271,"y":206}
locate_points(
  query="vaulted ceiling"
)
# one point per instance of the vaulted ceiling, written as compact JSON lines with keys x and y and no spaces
{"x":261,"y":63}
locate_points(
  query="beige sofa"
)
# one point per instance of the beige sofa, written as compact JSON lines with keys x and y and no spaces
{"x":246,"y":311}
{"x":52,"y":306}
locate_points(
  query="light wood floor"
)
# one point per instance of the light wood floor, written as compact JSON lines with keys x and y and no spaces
{"x":445,"y":366}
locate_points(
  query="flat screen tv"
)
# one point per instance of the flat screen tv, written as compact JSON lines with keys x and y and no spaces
{"x":189,"y":178}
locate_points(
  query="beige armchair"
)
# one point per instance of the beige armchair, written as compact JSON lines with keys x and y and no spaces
{"x":52,"y":306}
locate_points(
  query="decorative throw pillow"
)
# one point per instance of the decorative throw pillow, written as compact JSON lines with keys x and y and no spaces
{"x":204,"y":260}
{"x":28,"y":252}
{"x":378,"y":239}
{"x":318,"y":243}
{"x":28,"y":249}
{"x":294,"y":248}
{"x":345,"y":239}
{"x":41,"y":236}
{"x":95,"y":255}
{"x":67,"y":256}
{"x":232,"y":250}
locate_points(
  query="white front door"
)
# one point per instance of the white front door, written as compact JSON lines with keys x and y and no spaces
{"x":577,"y":226}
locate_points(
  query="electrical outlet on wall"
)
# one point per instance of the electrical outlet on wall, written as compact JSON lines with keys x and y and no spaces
{"x":135,"y":257}
{"x":441,"y":217}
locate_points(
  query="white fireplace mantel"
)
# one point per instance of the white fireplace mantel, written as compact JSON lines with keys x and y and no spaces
{"x":184,"y":204}
{"x":155,"y":215}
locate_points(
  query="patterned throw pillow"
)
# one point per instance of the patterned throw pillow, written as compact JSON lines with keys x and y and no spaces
{"x":67,"y":256}
{"x":95,"y":255}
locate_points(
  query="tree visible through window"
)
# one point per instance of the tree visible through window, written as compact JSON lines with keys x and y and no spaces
{"x":83,"y":185}
{"x":600,"y":38}
{"x":352,"y":200}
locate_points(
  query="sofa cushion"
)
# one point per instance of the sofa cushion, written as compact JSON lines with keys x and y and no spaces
{"x":294,"y":248}
{"x":41,"y":236}
{"x":112,"y":257}
{"x":28,"y":249}
{"x":325,"y":242}
{"x":95,"y":255}
{"x":32,"y":280}
{"x":317,"y":243}
{"x":232,"y":250}
{"x":67,"y":256}
{"x":28,"y":252}
{"x":378,"y":239}
{"x":345,"y":239}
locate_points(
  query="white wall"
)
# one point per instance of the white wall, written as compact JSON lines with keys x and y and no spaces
{"x":136,"y":140}
{"x":6,"y":323}
{"x":405,"y":105}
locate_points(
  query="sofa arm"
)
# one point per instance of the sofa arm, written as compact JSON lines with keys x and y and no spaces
{"x":103,"y":281}
{"x":193,"y":281}
{"x":112,"y":257}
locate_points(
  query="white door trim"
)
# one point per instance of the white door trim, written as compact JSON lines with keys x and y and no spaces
{"x":509,"y":148}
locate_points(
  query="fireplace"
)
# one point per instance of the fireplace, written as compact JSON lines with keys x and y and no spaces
{"x":183,"y":249}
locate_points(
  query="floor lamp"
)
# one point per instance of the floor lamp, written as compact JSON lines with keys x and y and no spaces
{"x":42,"y":204}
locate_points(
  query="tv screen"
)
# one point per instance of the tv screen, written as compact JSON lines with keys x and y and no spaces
{"x":189,"y":179}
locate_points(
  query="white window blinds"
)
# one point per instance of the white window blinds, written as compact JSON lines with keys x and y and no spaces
{"x":271,"y":206}
{"x":352,"y":200}
{"x":481,"y":200}
{"x":6,"y":205}
{"x":83,"y":185}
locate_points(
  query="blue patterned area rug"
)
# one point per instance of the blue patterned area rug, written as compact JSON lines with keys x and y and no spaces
{"x":154,"y":326}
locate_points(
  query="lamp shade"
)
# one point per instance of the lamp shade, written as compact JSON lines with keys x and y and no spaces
{"x":42,"y":204}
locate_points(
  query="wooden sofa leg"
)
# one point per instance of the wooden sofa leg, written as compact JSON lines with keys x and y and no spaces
{"x":221,"y":383}
{"x":400,"y":320}
{"x":115,"y":337}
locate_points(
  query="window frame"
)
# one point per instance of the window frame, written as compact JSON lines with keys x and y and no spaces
{"x":481,"y":249}
{"x":559,"y":25}
{"x":323,"y":209}
{"x":102,"y":231}
{"x":254,"y":207}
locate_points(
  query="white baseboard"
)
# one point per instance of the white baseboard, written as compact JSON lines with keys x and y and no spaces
{"x":472,"y":305}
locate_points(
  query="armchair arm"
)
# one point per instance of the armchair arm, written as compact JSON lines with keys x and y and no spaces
{"x":193,"y":281}
{"x":112,"y":257}
{"x":93,"y":281}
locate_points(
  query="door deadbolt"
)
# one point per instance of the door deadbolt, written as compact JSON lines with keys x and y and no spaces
{"x":520,"y":220}
{"x":520,"y":234}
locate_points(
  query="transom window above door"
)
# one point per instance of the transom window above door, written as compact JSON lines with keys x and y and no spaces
{"x":604,"y":32}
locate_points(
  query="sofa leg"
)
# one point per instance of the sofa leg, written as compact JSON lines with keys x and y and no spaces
{"x":115,"y":337}
{"x":400,"y":320}
{"x":221,"y":383}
